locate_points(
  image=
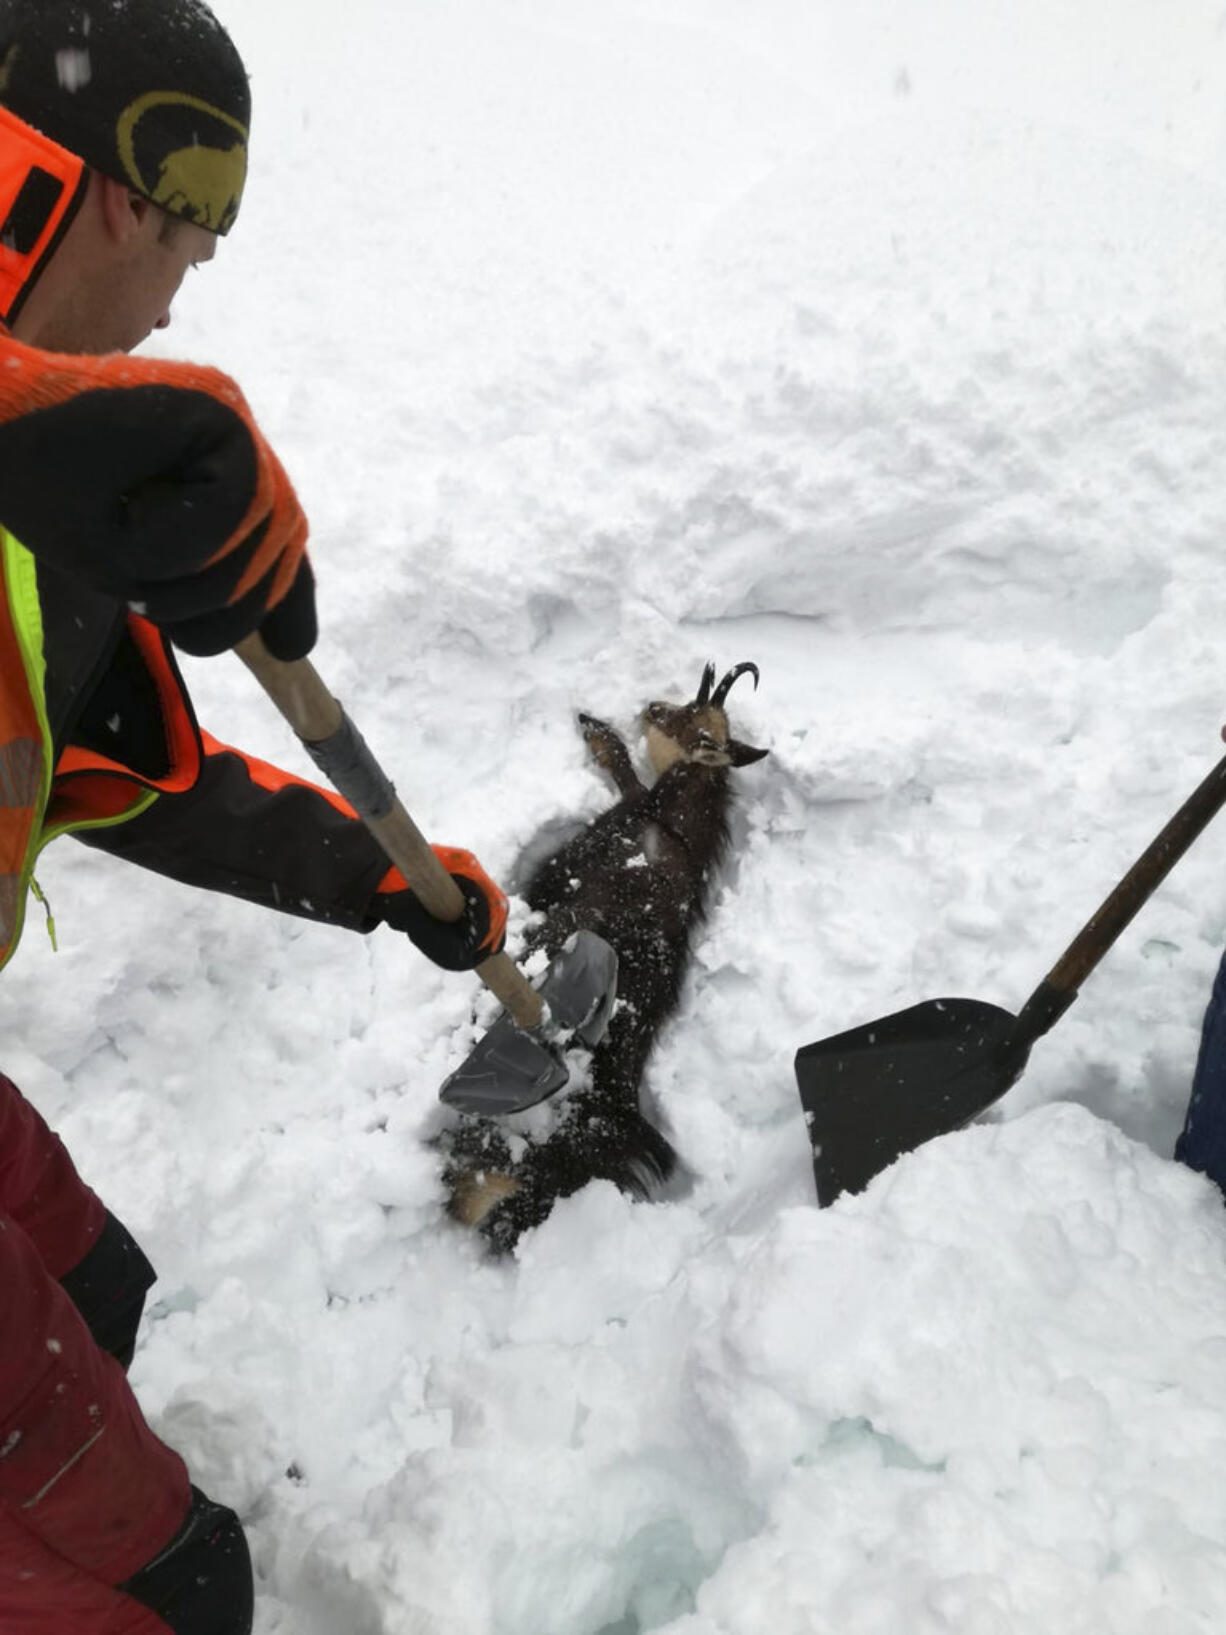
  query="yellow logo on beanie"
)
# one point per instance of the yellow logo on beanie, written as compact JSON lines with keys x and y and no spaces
{"x":189,"y":171}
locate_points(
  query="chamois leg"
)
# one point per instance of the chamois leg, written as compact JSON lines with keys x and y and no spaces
{"x":608,"y":751}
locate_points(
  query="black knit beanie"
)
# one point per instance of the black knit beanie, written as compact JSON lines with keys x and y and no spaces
{"x":151,"y":93}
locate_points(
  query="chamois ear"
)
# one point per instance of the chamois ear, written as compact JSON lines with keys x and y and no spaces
{"x":740,"y":754}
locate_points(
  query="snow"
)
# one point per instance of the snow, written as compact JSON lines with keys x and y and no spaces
{"x":73,"y":69}
{"x":884,"y":346}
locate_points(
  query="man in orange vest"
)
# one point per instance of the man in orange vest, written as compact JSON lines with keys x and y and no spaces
{"x":140,"y":510}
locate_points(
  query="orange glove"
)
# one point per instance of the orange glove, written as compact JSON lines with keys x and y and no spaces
{"x":150,"y":481}
{"x":458,"y":945}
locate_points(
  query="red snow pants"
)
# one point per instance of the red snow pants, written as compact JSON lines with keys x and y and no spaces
{"x":88,"y":1495}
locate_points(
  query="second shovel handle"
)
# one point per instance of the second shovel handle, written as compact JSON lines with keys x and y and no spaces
{"x":1139,"y":884}
{"x":339,"y":749}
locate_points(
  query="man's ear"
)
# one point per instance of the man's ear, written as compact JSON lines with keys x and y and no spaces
{"x":123,"y":211}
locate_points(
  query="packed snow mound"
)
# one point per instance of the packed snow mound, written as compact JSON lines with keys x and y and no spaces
{"x":916,"y":379}
{"x":989,"y":1422}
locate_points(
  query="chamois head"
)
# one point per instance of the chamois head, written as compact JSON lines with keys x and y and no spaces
{"x":698,"y":732}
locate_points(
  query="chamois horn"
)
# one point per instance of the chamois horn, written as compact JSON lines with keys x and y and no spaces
{"x":705,"y":685}
{"x":721,"y":692}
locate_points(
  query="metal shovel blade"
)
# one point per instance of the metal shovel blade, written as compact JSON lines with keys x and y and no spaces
{"x":513,"y":1068}
{"x":877,"y":1091}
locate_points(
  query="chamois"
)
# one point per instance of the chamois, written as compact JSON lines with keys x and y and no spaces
{"x":639,"y":875}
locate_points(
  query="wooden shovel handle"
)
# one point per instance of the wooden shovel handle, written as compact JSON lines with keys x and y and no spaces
{"x":1139,"y":884}
{"x":335,"y":745}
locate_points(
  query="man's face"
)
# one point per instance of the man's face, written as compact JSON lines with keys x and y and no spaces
{"x":163,"y":252}
{"x":115,"y":275}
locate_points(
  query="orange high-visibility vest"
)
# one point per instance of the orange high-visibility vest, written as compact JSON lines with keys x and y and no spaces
{"x":25,"y":738}
{"x":27,"y":752}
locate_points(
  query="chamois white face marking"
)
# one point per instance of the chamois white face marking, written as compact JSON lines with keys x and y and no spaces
{"x":662,"y":751}
{"x":684,"y":732}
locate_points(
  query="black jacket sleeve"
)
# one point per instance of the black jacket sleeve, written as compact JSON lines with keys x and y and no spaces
{"x":288,"y":847}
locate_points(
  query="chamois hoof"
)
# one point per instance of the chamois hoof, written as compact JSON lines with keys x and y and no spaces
{"x":503,"y":1204}
{"x":604,"y":745}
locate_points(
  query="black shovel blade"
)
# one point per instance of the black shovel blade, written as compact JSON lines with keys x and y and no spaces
{"x":878,"y":1091}
{"x":511,"y":1069}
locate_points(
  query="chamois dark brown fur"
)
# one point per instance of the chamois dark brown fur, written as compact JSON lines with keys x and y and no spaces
{"x":639,"y":875}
